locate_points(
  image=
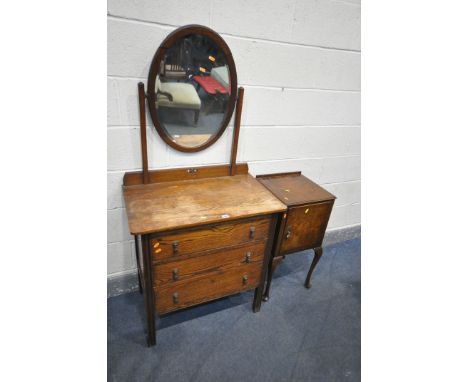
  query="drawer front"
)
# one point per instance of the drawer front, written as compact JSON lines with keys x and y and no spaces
{"x":172,"y":245}
{"x":175,"y":272}
{"x":305,"y":227}
{"x":215,"y":285}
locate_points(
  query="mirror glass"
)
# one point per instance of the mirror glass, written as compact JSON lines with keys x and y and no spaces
{"x":192,"y":90}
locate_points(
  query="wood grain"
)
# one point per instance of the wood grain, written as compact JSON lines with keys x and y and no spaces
{"x":167,"y":206}
{"x":185,"y":173}
{"x":208,"y":238}
{"x":304,"y":224}
{"x":213,"y":263}
{"x":144,"y":145}
{"x":294,"y":188}
{"x":210,"y":287}
{"x":235,"y":135}
{"x":305,"y":227}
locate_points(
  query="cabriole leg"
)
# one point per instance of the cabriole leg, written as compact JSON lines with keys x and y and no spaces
{"x":318,"y":254}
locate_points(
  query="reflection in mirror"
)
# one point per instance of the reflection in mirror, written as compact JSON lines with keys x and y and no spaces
{"x":192,"y":90}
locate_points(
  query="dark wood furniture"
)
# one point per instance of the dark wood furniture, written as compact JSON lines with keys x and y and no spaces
{"x":303,"y":225}
{"x":201,"y":233}
{"x":174,"y":69}
{"x":203,"y":236}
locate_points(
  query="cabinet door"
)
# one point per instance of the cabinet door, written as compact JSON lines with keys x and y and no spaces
{"x":305,"y":227}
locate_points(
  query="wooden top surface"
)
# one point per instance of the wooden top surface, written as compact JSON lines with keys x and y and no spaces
{"x":166,"y":206}
{"x":294,"y":188}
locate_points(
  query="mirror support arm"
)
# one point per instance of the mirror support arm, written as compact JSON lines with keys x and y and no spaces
{"x":235,"y":135}
{"x":144,"y":146}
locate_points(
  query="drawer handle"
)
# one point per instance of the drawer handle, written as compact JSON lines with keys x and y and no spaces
{"x":175,"y":298}
{"x":252,"y":232}
{"x":248,"y":256}
{"x":245,"y":278}
{"x":175,"y":247}
{"x":288,"y":233}
{"x":175,"y":274}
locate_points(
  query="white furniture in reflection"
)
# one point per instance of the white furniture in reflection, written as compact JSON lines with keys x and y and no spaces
{"x":178,"y":95}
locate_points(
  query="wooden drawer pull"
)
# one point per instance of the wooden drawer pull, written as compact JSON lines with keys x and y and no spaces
{"x":175,"y":247}
{"x":252,"y":232}
{"x":248,"y":257}
{"x":245,"y":278}
{"x":175,"y":274}
{"x":175,"y":298}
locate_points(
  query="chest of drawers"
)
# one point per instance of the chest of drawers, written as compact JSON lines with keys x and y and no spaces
{"x":206,"y":263}
{"x":202,"y":237}
{"x":304,"y":223}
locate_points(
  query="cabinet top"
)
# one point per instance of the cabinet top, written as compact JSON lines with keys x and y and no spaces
{"x":164,"y":206}
{"x":294,"y":188}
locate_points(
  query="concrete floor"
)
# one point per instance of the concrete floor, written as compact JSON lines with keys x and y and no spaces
{"x":298,"y":335}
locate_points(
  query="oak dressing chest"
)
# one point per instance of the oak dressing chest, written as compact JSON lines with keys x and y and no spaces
{"x":204,"y":232}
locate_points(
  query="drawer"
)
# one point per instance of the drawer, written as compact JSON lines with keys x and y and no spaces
{"x":305,"y":227}
{"x":217,"y":262}
{"x":170,"y":245}
{"x":193,"y":291}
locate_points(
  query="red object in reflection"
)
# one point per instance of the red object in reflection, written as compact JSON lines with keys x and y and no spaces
{"x":210,"y":85}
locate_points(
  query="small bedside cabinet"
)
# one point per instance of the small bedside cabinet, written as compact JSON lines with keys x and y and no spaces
{"x":304,"y":223}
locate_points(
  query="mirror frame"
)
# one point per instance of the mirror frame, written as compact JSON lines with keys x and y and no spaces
{"x":154,"y":70}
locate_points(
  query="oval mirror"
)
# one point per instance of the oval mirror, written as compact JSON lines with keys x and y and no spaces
{"x":192,"y":88}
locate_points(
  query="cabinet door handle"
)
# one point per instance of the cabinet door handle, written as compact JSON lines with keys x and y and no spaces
{"x":248,"y":257}
{"x":288,"y":233}
{"x":252,"y":232}
{"x":175,"y":274}
{"x":175,"y":298}
{"x":245,"y":278}
{"x":175,"y":247}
